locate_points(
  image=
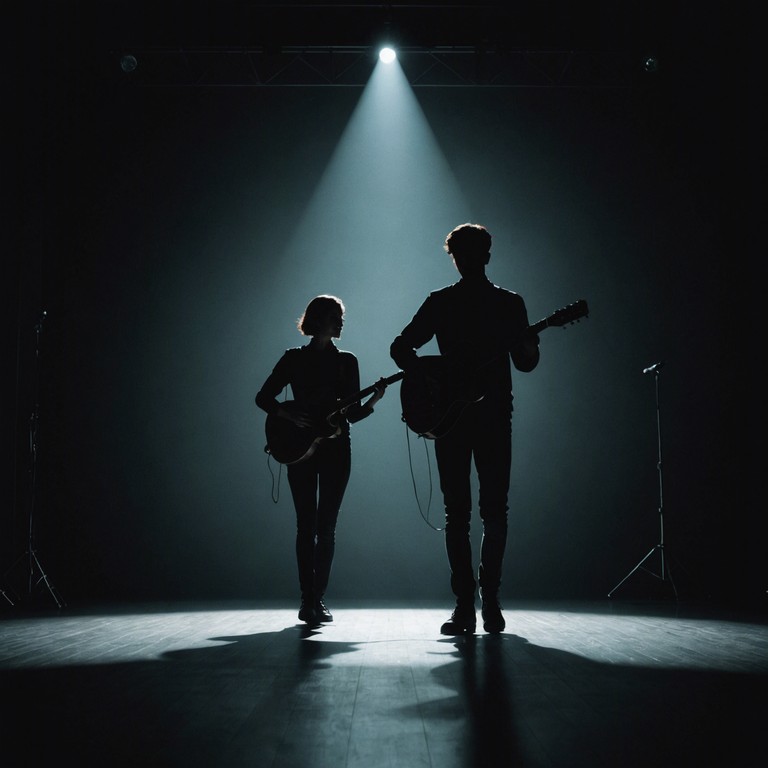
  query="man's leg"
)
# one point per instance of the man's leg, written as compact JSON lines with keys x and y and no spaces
{"x":454,"y":456}
{"x":493,"y":459}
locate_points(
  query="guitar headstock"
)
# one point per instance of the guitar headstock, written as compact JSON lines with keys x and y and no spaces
{"x":570,"y":314}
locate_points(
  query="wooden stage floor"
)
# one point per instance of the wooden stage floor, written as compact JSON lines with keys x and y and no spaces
{"x":607,"y":684}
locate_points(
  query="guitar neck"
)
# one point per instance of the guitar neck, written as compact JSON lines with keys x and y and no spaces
{"x":538,"y":327}
{"x":562,"y":317}
{"x":541,"y":325}
{"x":342,"y":404}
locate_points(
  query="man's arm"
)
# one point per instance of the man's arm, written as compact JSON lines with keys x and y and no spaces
{"x":525,"y":349}
{"x":525,"y":355}
{"x":415,"y":335}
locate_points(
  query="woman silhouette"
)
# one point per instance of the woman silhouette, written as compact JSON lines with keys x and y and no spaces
{"x":321,"y":377}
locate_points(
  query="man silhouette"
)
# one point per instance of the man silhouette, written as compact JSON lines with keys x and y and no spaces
{"x":479,"y":328}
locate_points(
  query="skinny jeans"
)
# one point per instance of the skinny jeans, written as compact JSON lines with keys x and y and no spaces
{"x":483,"y":433}
{"x":317,"y":485}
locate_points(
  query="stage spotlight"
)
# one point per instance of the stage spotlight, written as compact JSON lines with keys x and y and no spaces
{"x":128,"y":63}
{"x":387,"y":55}
{"x":651,"y":64}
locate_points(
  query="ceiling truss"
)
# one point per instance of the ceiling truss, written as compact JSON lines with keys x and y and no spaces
{"x":352,"y":66}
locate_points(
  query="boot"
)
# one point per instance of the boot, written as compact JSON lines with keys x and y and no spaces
{"x":308,"y":612}
{"x":493,"y":621}
{"x":322,"y":613}
{"x":463,"y":619}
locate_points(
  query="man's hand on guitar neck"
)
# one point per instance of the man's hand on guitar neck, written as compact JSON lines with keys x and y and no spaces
{"x":530,"y":342}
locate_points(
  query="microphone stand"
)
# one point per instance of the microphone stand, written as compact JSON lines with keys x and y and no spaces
{"x":664,"y":574}
{"x":36,"y":574}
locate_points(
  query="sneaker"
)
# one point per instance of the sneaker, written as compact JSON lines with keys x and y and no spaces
{"x":307,"y":613}
{"x":323,"y":614}
{"x":463,"y":620}
{"x":493,"y":621}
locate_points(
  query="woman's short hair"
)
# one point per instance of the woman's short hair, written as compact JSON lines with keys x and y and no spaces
{"x":316,"y":312}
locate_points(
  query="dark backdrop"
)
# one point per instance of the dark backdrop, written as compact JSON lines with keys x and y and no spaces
{"x":158,"y":232}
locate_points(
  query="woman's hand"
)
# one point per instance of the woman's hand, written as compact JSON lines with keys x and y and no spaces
{"x":378,"y":392}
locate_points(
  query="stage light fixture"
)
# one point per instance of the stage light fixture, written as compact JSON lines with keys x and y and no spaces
{"x":651,"y":64}
{"x":387,"y":54}
{"x":128,"y":63}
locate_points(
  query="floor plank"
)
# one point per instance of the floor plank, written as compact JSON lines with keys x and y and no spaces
{"x":247,"y":685}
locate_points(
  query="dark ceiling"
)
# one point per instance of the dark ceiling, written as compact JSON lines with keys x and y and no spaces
{"x":601,"y":24}
{"x":537,"y":43}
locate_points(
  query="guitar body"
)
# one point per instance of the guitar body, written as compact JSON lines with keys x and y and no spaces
{"x":431,"y":398}
{"x":435,"y":394}
{"x":289,"y":443}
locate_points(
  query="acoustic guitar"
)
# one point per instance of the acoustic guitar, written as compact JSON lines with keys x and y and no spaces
{"x":436,"y":393}
{"x":288,"y":443}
